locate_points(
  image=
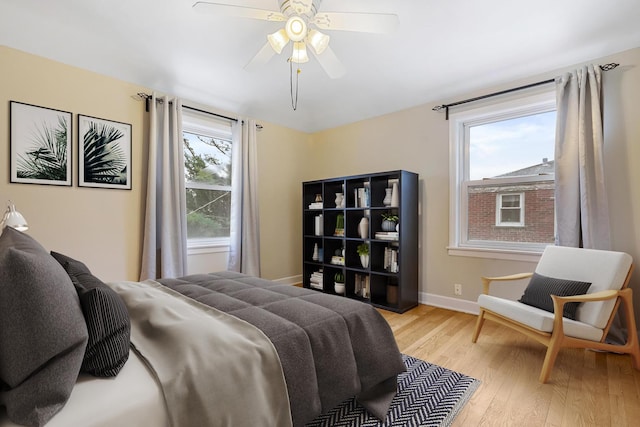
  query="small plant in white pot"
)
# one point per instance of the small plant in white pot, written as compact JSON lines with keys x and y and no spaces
{"x":338,"y":283}
{"x":363,"y":251}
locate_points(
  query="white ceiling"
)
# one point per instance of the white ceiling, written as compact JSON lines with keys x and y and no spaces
{"x":441,"y":50}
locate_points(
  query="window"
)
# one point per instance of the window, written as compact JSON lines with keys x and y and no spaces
{"x":207,"y":161}
{"x":509,"y":210}
{"x":501,"y":156}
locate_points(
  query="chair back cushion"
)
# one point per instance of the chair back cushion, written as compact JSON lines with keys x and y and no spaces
{"x":603,"y":269}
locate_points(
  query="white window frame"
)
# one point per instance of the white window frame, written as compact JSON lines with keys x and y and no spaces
{"x":500,"y":207}
{"x":459,"y":129}
{"x":212,"y":127}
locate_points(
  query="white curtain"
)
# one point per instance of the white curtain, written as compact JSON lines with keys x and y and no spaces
{"x":244,"y":251}
{"x":164,"y":252}
{"x":582,"y":210}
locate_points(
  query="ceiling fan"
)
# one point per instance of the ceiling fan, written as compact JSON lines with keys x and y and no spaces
{"x":302,"y":27}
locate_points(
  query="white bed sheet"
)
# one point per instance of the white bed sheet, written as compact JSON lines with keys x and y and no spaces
{"x":132,"y":399}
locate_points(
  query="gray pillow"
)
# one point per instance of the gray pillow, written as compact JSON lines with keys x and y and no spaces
{"x":540,"y":288}
{"x":107,"y":320}
{"x":42,"y":334}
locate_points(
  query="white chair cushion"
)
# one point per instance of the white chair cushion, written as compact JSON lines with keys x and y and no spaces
{"x":536,"y":318}
{"x":603,"y":269}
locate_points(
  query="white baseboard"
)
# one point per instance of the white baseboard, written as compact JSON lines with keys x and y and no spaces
{"x":449,"y":303}
{"x":293,"y":280}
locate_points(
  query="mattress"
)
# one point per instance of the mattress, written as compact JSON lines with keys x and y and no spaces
{"x":131,"y":399}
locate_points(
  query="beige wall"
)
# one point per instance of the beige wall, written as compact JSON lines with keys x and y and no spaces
{"x":283,"y":157}
{"x":417,"y":139}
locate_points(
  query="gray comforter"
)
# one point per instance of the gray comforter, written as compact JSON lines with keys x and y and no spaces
{"x":209,"y":363}
{"x":331,"y":348}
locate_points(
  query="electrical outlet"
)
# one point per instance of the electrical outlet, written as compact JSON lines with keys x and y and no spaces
{"x":457,"y":289}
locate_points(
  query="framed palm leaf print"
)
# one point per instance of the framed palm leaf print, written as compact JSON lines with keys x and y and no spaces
{"x":40,"y":145}
{"x":104,"y":153}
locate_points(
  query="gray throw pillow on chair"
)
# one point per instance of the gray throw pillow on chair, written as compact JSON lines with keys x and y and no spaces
{"x":540,"y":288}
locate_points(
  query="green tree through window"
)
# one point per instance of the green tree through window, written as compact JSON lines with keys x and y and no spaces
{"x":207,"y":160}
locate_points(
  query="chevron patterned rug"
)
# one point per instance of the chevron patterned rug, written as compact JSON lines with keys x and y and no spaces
{"x":428,"y":395}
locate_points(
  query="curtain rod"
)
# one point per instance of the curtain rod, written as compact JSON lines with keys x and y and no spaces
{"x":605,"y":67}
{"x":147,"y":97}
{"x":209,"y":112}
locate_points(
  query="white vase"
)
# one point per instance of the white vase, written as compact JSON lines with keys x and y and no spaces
{"x":363,"y":228}
{"x":339,"y":200}
{"x":395,"y":197}
{"x":387,"y":197}
{"x":315,"y":255}
{"x":364,"y":260}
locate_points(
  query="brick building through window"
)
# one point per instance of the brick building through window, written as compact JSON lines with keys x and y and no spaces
{"x":532,"y":205}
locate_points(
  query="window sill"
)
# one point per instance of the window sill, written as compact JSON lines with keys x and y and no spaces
{"x":208,"y":246}
{"x":506,"y":254}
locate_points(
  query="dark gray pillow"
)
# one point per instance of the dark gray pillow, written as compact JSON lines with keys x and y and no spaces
{"x":107,"y":320}
{"x":540,"y":288}
{"x":42,"y":334}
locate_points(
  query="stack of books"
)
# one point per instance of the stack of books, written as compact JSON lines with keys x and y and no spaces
{"x":337,"y":260}
{"x":315,"y":205}
{"x":316,"y":280}
{"x":387,"y":235}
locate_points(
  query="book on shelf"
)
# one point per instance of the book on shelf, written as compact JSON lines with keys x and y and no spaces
{"x":361,"y":197}
{"x":391,"y":260}
{"x":315,"y":205}
{"x":361,"y":285}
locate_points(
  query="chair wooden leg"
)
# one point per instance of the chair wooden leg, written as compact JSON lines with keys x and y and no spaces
{"x":550,"y":359}
{"x":632,"y":330}
{"x":479,"y":324}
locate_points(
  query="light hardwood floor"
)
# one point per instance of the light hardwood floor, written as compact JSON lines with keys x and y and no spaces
{"x":586,"y":388}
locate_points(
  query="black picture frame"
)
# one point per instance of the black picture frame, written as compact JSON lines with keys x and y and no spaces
{"x":40,"y":140}
{"x":104,"y":153}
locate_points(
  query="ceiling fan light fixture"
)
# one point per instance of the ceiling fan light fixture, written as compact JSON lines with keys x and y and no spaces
{"x":318,"y":41}
{"x":299,"y":55}
{"x":296,"y":28}
{"x":278,"y":40}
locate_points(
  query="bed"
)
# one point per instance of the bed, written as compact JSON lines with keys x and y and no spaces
{"x":215,"y":349}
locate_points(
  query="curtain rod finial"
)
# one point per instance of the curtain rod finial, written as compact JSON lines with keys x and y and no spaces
{"x":609,"y":66}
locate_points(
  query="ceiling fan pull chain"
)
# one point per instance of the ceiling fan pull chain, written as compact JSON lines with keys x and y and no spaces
{"x":294,"y":100}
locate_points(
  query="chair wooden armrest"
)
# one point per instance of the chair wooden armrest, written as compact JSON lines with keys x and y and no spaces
{"x":596,"y":296}
{"x":486,"y":281}
{"x":625,"y":295}
{"x":559,"y":302}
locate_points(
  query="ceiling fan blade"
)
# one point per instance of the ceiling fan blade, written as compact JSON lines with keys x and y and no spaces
{"x":261,"y":58}
{"x":381,"y":23}
{"x":238,"y":11}
{"x":330,"y":63}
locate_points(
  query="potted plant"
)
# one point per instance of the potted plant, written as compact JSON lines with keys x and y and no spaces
{"x":339,"y":225}
{"x":389,"y":222}
{"x":338,"y":282}
{"x":363,"y":251}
